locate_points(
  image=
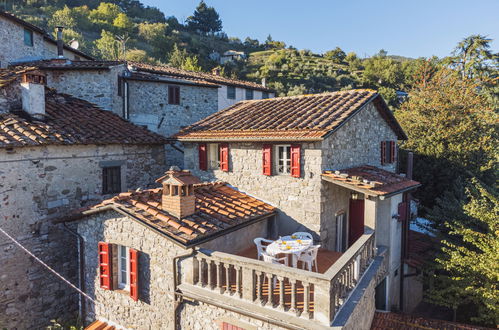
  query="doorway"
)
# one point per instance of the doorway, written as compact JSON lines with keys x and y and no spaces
{"x":356,"y":220}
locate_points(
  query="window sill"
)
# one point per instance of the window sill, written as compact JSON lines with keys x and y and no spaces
{"x":122,"y":291}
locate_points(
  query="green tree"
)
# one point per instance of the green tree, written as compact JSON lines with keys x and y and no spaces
{"x":123,"y":23}
{"x":191,"y":64}
{"x":177,"y":57}
{"x":105,"y":14}
{"x":452,"y":129}
{"x":337,"y":55}
{"x":63,"y":17}
{"x":107,"y":46}
{"x":205,"y":19}
{"x":139,"y":55}
{"x":467,"y":269}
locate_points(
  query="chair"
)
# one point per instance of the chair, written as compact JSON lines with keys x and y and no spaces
{"x":260,"y":248}
{"x":309,"y":257}
{"x":304,"y":234}
{"x":274,"y":260}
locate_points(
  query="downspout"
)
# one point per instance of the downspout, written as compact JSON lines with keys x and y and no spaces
{"x":81,"y":268}
{"x":178,"y":298}
{"x":406,"y":197}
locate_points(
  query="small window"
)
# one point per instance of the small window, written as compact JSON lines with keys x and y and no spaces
{"x":213,"y":156}
{"x":283,"y":159}
{"x":265,"y":95}
{"x":173,"y":95}
{"x":111,"y":180}
{"x":231,"y":92}
{"x":28,"y":37}
{"x":249,"y":94}
{"x":123,"y":268}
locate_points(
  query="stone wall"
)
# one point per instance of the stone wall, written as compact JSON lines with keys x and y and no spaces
{"x":148,"y":106}
{"x":155,"y":307}
{"x":12,"y":45}
{"x":298,"y":199}
{"x":358,"y":142}
{"x":36,"y":184}
{"x":201,"y":316}
{"x":96,"y":86}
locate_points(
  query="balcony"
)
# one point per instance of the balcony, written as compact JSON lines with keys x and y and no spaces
{"x":275,"y":292}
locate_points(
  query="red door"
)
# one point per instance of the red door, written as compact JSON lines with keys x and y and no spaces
{"x":356,"y":220}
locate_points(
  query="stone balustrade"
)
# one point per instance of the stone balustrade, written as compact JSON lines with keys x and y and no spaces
{"x":294,"y":292}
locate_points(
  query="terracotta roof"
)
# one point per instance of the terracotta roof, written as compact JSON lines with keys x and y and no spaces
{"x":46,"y":35}
{"x":421,"y":248}
{"x":71,"y":121}
{"x":13,"y":74}
{"x":145,"y":76}
{"x":371,"y":180}
{"x":219,"y":207}
{"x":100,"y":325}
{"x":301,"y":118}
{"x":387,"y":321}
{"x":64,"y":64}
{"x":175,"y":72}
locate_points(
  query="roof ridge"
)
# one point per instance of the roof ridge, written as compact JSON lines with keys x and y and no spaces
{"x":303,"y":96}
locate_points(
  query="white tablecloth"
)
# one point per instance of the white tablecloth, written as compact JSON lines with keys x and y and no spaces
{"x":290,"y":245}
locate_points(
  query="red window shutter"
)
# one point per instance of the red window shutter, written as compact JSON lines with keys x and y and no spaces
{"x":134,"y":274}
{"x":224,"y":157}
{"x":295,"y":161}
{"x":228,"y":326}
{"x":203,"y":163}
{"x":393,"y":147}
{"x":383,"y":152}
{"x":402,"y":209}
{"x":105,"y":262}
{"x":267,"y":159}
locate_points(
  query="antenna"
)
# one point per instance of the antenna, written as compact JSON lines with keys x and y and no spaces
{"x":74,"y":44}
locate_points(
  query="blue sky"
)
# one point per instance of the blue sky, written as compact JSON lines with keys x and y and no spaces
{"x":402,"y":27}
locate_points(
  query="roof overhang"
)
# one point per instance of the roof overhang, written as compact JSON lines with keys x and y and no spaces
{"x":171,"y":82}
{"x":185,"y":244}
{"x":371,"y":181}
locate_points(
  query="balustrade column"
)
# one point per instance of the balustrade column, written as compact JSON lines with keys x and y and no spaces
{"x":292,"y":308}
{"x":227,"y":279}
{"x":270,"y":287}
{"x":259,"y":286}
{"x":306,"y":299}
{"x":281,"y":292}
{"x":200,"y":272}
{"x":238,"y":271}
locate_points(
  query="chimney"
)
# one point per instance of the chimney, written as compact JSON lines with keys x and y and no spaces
{"x":33,"y":93}
{"x":60,"y":43}
{"x":264,"y":82}
{"x":178,"y":197}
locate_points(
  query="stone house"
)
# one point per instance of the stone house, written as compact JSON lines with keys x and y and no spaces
{"x":329,"y":169}
{"x":230,"y":92}
{"x":57,"y":152}
{"x":21,"y":41}
{"x":162,"y":98}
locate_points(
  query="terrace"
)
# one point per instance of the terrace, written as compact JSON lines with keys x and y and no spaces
{"x":241,"y":282}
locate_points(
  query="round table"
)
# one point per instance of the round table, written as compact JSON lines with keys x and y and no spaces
{"x":289,"y":245}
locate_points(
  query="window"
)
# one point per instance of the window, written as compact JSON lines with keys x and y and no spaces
{"x":283,"y":159}
{"x":213,"y":156}
{"x":388,"y":152}
{"x":249,"y":94}
{"x":231,"y":92}
{"x":28,"y":37}
{"x":341,"y":232}
{"x":173,"y":95}
{"x":265,"y":95}
{"x":123,"y":268}
{"x":111,"y":180}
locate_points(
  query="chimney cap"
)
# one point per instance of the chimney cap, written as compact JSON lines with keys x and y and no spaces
{"x":34,"y":77}
{"x":178,"y":177}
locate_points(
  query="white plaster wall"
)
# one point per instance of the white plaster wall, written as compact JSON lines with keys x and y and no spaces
{"x":224,"y":102}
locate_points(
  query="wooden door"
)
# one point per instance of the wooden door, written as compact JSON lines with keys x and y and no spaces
{"x":356,"y":220}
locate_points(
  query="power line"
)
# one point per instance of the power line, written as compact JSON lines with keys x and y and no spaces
{"x":47,"y":266}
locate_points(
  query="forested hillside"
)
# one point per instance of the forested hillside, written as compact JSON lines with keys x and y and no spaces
{"x":118,"y":29}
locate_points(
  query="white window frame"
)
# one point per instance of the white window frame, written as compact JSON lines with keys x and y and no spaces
{"x":287,"y":169}
{"x":340,"y":221}
{"x":213,"y":156}
{"x":123,"y":283}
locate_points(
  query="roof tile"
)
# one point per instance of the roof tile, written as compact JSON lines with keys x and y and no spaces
{"x":304,"y":117}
